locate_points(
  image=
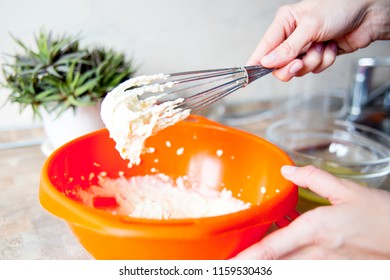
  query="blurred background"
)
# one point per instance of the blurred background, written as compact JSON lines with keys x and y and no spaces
{"x":168,"y":36}
{"x":172,"y":35}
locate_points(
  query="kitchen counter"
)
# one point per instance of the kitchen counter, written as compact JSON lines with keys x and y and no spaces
{"x":27,"y":231}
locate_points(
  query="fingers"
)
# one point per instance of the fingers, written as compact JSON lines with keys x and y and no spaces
{"x":318,"y":57}
{"x":314,"y":252}
{"x":328,"y":57}
{"x":285,"y":40}
{"x":318,"y":181}
{"x":280,"y":242}
{"x":312,"y":60}
{"x":289,"y":71}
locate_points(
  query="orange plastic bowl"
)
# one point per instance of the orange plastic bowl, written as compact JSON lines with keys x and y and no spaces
{"x":249,"y":166}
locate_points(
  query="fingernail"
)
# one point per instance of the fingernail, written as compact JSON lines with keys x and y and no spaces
{"x":288,"y":169}
{"x":319,"y":47}
{"x":269,"y":59}
{"x":295,"y":68}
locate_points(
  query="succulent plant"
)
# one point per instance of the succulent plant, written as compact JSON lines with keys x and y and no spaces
{"x":59,"y":74}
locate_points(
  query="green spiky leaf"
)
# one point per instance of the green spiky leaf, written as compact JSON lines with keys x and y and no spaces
{"x":57,"y":74}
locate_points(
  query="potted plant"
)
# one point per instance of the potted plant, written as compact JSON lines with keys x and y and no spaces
{"x":60,"y":80}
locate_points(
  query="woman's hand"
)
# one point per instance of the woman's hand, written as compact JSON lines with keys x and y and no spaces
{"x":355,"y":226}
{"x":320,"y":29}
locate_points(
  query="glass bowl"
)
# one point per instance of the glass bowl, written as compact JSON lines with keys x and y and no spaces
{"x":345,"y":149}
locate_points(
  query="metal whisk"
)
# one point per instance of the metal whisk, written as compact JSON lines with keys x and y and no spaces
{"x":202,"y":88}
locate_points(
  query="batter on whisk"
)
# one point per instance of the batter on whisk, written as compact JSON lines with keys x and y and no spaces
{"x":131,"y":119}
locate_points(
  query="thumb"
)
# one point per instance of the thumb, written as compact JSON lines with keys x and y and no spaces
{"x":318,"y":181}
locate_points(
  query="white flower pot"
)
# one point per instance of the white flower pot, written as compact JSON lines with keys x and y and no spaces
{"x":69,"y":125}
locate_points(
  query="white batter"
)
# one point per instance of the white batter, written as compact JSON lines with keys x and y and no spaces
{"x":131,"y":120}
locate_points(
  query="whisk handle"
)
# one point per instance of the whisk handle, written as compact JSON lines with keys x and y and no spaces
{"x":257,"y":71}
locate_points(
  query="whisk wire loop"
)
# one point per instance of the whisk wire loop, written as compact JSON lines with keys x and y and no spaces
{"x":200,"y":89}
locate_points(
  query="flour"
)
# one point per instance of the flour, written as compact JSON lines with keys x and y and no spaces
{"x":160,"y":197}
